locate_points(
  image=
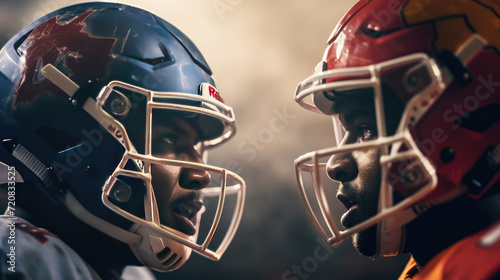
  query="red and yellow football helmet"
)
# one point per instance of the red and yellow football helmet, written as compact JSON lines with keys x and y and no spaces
{"x":440,"y":60}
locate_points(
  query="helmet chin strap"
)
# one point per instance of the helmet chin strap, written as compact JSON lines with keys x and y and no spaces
{"x":391,"y":233}
{"x":149,"y":247}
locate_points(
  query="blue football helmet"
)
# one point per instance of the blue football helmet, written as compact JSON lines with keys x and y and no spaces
{"x":81,"y":90}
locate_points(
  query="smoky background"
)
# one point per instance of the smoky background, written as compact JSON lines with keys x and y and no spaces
{"x":259,"y":51}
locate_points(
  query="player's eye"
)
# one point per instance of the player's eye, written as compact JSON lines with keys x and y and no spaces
{"x":165,"y":144}
{"x":367,"y":133}
{"x":169,"y":140}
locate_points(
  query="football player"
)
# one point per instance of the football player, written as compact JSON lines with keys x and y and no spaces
{"x":106,"y":114}
{"x":413,"y":88}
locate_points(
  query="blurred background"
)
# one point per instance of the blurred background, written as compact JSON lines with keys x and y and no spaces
{"x":258,"y":50}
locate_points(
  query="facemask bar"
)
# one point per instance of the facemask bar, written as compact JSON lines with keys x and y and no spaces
{"x":144,"y":162}
{"x":359,"y":78}
{"x":309,"y":163}
{"x":152,"y":219}
{"x":339,"y":132}
{"x":217,"y":109}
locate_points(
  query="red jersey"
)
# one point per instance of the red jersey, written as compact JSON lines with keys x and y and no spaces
{"x":474,"y":257}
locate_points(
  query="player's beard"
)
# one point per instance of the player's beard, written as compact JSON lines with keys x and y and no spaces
{"x":365,"y":242}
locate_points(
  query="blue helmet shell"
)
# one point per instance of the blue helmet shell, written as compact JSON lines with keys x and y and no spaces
{"x":92,"y":44}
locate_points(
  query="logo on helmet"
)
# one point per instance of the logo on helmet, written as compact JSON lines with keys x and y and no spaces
{"x":207,"y":90}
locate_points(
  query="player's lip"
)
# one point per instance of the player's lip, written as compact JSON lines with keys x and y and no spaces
{"x":186,"y":211}
{"x":350,"y":205}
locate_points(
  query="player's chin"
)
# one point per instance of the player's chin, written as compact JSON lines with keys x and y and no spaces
{"x":365,"y":242}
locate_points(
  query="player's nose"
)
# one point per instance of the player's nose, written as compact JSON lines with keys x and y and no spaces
{"x":341,"y":168}
{"x":194,"y":179}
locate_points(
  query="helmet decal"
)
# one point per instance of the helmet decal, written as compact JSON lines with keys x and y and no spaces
{"x":208,"y":90}
{"x":65,"y":52}
{"x":455,"y":21}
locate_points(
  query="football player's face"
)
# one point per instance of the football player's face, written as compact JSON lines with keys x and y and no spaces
{"x":176,"y":189}
{"x":358,"y":172}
